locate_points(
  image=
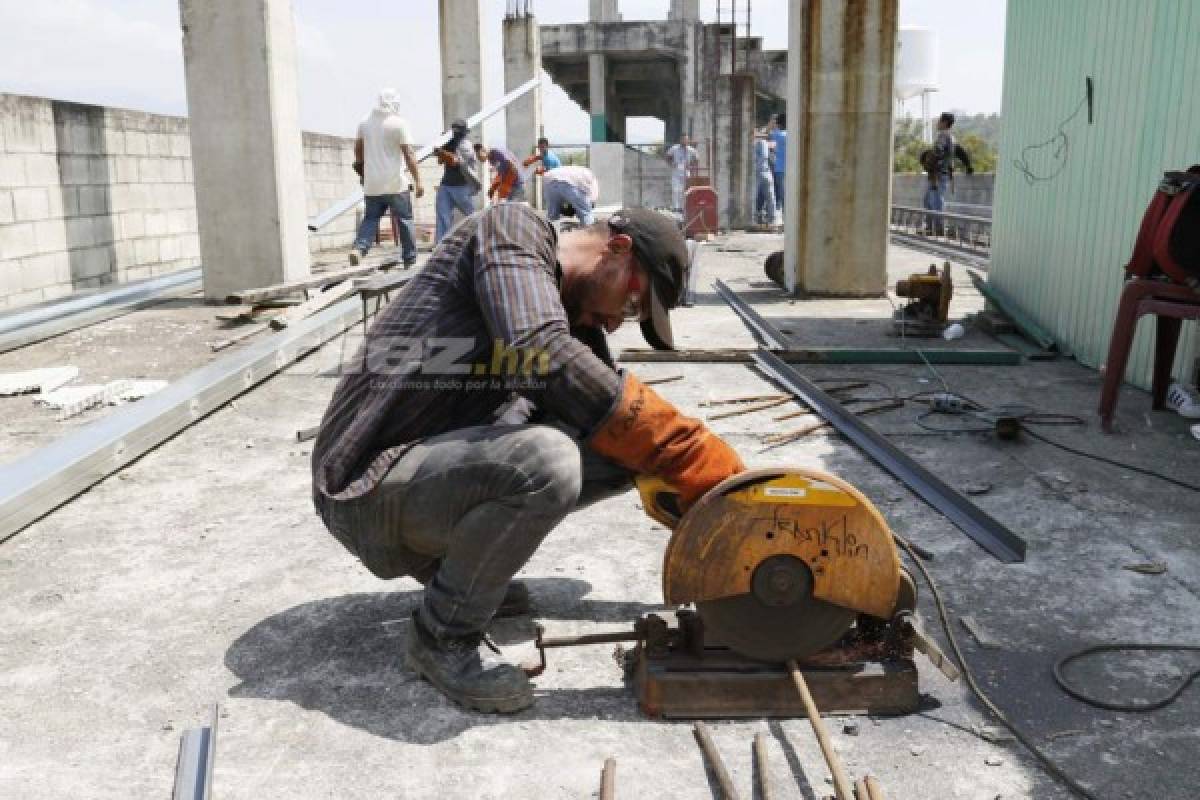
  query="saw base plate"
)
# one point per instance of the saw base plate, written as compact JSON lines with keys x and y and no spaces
{"x":678,"y":674}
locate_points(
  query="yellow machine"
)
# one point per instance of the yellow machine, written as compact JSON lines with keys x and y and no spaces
{"x":780,"y":563}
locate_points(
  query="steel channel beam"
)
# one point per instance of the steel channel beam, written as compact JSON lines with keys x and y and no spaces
{"x":354,"y":198}
{"x":53,"y":319}
{"x":35,"y":485}
{"x":970,"y":518}
{"x":767,"y":334}
{"x":194,"y":768}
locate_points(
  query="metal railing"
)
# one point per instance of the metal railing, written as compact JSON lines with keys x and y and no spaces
{"x":956,"y":234}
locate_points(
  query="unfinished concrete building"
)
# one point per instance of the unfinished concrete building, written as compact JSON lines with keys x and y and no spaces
{"x":709,"y":81}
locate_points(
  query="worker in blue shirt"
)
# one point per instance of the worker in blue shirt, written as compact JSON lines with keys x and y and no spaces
{"x":544,"y":154}
{"x":777,"y":133}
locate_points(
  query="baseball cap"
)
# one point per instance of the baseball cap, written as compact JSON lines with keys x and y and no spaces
{"x":661,"y":249}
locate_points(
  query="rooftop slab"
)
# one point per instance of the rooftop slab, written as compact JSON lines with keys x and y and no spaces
{"x":200,"y":574}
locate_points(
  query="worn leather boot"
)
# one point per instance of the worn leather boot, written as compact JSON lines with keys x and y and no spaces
{"x":454,"y":666}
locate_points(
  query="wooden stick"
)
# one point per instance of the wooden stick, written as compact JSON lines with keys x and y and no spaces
{"x":861,"y":791}
{"x":760,"y":760}
{"x":874,"y":788}
{"x":714,"y":760}
{"x":750,"y":409}
{"x":841,"y":784}
{"x":806,"y":412}
{"x":608,"y":779}
{"x":753,"y":398}
{"x":668,"y":379}
{"x":250,"y":296}
{"x":782,"y":438}
{"x":310,"y":307}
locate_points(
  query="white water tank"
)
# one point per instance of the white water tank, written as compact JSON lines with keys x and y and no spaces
{"x":916,"y":62}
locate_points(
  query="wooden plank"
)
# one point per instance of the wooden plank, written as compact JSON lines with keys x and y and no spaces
{"x":252,"y":296}
{"x":826,"y":355}
{"x":310,"y":307}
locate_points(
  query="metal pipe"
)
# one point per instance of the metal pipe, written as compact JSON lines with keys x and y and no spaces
{"x":841,"y":784}
{"x":608,"y":779}
{"x":714,"y":759}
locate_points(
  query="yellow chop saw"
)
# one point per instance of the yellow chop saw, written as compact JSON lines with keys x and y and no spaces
{"x":773,"y":566}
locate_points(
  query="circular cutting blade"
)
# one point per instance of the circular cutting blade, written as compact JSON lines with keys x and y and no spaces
{"x":747,"y":625}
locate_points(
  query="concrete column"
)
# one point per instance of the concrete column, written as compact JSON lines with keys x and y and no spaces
{"x":841,"y":58}
{"x":598,"y":95}
{"x":607,"y":161}
{"x":462,"y":73}
{"x":603,"y":11}
{"x":733,"y":175}
{"x":523,"y":61}
{"x":685,"y":10}
{"x":247,"y":157}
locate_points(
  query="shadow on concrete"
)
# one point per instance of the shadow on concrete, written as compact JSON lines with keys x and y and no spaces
{"x":344,"y":656}
{"x":793,"y":761}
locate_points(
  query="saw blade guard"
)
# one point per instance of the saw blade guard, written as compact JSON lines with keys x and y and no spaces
{"x":805,"y":514}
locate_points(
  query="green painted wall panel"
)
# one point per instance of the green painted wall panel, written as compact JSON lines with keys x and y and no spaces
{"x":1059,"y":244}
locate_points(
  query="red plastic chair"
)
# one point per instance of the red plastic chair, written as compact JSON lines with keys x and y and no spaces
{"x":1171,"y":303}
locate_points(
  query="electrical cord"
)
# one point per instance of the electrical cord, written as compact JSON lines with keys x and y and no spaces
{"x":1062,"y":150}
{"x":1151,"y":705}
{"x":1048,"y":764}
{"x":1113,"y":462}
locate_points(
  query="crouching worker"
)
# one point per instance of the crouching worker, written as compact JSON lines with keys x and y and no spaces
{"x":484,"y":407}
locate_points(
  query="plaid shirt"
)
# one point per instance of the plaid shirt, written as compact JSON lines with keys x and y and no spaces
{"x":489,"y":289}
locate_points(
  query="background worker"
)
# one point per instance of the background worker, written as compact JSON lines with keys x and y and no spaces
{"x":460,"y":178}
{"x":683,"y":160}
{"x":423,"y":469}
{"x":939,"y":169}
{"x":777,"y":133}
{"x":507,"y":181}
{"x":764,"y":198}
{"x":381,"y":150}
{"x":573,"y":186}
{"x":543,"y":156}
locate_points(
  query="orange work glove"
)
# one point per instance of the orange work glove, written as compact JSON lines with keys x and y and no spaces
{"x":649,"y":436}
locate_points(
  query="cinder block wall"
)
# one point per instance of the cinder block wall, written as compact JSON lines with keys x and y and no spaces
{"x":91,"y":195}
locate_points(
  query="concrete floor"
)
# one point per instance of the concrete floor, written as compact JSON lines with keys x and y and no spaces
{"x":200,"y":575}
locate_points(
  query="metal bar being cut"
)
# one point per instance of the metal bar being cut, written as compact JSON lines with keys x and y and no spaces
{"x":970,"y":518}
{"x":351,"y":200}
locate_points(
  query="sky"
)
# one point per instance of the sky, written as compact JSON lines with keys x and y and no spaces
{"x":128,"y":53}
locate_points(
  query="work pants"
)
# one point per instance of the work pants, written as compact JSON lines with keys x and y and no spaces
{"x":935,"y":200}
{"x":764,"y":205}
{"x":678,"y":187}
{"x":560,"y":193}
{"x":400,"y":204}
{"x":463,"y":511}
{"x":450,"y":198}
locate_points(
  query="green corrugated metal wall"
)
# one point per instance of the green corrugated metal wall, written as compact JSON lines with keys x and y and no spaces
{"x":1059,"y":245}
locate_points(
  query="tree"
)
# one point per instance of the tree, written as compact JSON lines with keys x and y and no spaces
{"x":977,"y":133}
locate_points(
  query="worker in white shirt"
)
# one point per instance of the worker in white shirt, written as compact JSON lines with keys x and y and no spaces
{"x":683,"y":160}
{"x":381,"y":151}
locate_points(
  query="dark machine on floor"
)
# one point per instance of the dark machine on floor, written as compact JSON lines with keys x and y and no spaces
{"x":928,"y":309}
{"x":773,"y":567}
